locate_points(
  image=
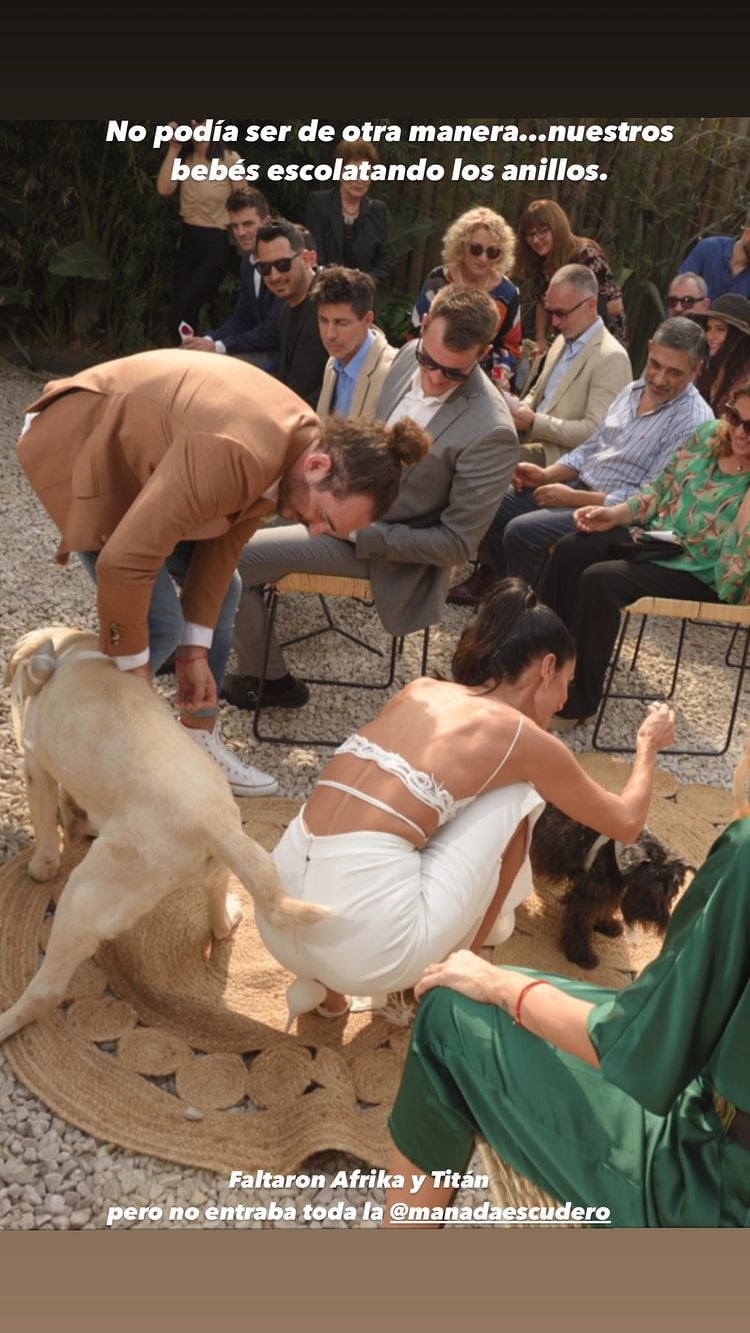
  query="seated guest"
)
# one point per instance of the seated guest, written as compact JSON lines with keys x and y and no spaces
{"x":546,"y":242}
{"x":478,"y":251}
{"x":641,"y":430}
{"x":723,"y":261}
{"x":584,"y":370}
{"x":349,"y":228}
{"x":446,"y":500}
{"x":702,"y":496}
{"x":287,"y":270}
{"x":627,"y":1099}
{"x":727,"y":326}
{"x":687,"y":293}
{"x":251,"y":333}
{"x":417,"y":834}
{"x":360,"y":357}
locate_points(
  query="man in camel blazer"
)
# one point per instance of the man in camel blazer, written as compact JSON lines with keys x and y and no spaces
{"x":360,"y":357}
{"x":445,"y":504}
{"x":583,"y":373}
{"x":176,"y":456}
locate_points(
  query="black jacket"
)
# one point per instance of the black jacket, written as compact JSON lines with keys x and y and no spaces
{"x":370,"y":233}
{"x":253,"y":325}
{"x":303,"y":357}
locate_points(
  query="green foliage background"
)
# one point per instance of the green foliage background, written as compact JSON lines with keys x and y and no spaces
{"x":87,"y":246}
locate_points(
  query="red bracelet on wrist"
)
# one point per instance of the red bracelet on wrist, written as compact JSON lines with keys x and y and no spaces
{"x":517,"y":1015}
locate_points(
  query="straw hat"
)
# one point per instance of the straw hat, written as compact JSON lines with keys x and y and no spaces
{"x":730,"y":308}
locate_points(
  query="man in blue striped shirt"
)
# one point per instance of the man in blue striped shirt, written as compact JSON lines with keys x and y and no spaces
{"x":644,"y":426}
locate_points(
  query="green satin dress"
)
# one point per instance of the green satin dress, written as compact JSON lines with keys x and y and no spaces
{"x":640,"y":1134}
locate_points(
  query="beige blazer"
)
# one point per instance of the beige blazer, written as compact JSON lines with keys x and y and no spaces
{"x":370,"y":380}
{"x":135,"y":455}
{"x":581,"y":399}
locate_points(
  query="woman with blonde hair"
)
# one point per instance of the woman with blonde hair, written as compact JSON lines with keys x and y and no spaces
{"x":478,"y":251}
{"x":546,"y":242}
{"x":626,"y":1101}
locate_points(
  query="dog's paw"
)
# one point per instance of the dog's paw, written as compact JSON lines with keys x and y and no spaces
{"x":609,"y":927}
{"x":42,"y":867}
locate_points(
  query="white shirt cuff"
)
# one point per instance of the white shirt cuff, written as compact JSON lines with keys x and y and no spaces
{"x":198,"y":635}
{"x":218,"y":344}
{"x":130,"y":663}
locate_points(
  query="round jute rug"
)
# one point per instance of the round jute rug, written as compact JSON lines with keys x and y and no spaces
{"x":160,"y":1051}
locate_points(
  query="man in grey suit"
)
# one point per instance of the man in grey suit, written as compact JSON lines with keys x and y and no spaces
{"x":445,"y":504}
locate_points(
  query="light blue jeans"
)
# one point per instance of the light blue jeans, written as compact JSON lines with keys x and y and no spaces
{"x":165,"y":618}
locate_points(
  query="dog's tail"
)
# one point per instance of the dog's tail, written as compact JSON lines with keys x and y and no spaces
{"x":26,"y":674}
{"x":255,"y":868}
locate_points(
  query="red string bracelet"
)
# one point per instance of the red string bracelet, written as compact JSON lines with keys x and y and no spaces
{"x":517,"y":1015}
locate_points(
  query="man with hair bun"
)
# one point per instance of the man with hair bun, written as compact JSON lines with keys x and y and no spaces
{"x":157,"y":468}
{"x":446,"y":501}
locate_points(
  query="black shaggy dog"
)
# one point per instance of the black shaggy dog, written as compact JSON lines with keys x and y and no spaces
{"x":641,"y":879}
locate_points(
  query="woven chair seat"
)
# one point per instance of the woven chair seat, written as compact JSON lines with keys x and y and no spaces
{"x":509,"y":1189}
{"x":325,"y":585}
{"x":715,"y":612}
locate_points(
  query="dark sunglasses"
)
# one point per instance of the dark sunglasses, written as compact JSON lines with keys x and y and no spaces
{"x":735,"y":420}
{"x":264,"y":266}
{"x":491,"y":251}
{"x":563,"y":314}
{"x":687,"y":302}
{"x":427,"y":362}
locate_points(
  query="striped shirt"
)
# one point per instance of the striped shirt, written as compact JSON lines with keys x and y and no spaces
{"x":627,"y":450}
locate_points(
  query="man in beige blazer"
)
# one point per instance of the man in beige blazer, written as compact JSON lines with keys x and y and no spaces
{"x":359,"y":355}
{"x":583,"y":373}
{"x":160,"y":466}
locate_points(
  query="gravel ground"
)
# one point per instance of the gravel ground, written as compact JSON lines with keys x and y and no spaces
{"x":54,"y":1176}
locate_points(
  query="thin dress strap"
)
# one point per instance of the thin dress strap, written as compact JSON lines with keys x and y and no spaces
{"x":372,"y":800}
{"x":505,"y":757}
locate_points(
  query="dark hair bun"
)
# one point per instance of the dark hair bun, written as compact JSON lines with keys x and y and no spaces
{"x":408,"y":441}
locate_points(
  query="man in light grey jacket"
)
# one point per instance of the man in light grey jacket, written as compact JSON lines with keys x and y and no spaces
{"x":445,"y":504}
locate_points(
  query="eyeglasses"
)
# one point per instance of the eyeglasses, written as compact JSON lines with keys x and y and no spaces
{"x":563,"y":314}
{"x":687,"y":302}
{"x":264,"y":266}
{"x":735,"y":420}
{"x":537,"y":232}
{"x":427,"y":362}
{"x":491,"y":251}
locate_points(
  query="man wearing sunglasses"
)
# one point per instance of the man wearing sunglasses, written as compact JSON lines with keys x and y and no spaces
{"x":687,"y":295}
{"x":445,"y":503}
{"x":286,"y":265}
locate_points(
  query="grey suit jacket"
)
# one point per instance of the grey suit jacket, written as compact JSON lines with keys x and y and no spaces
{"x":446,"y":501}
{"x":369,"y":383}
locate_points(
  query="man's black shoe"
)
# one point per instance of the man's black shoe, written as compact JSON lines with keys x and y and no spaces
{"x":242,"y":691}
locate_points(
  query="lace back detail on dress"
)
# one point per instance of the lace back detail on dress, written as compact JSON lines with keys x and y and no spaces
{"x":424,"y":786}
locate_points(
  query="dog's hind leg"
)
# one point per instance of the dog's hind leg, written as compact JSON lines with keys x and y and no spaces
{"x":579,"y":915}
{"x":224,"y":910}
{"x":41,"y":791}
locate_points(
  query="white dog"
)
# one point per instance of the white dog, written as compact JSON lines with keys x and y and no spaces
{"x":113,"y":753}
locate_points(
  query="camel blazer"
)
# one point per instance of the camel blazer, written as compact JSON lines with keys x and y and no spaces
{"x":369,"y":383}
{"x":581,"y":399}
{"x":446,"y":502}
{"x":135,"y":455}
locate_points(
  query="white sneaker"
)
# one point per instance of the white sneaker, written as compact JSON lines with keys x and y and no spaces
{"x":242,"y":778}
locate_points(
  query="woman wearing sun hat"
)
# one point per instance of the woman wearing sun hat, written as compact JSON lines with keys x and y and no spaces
{"x":727,"y":325}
